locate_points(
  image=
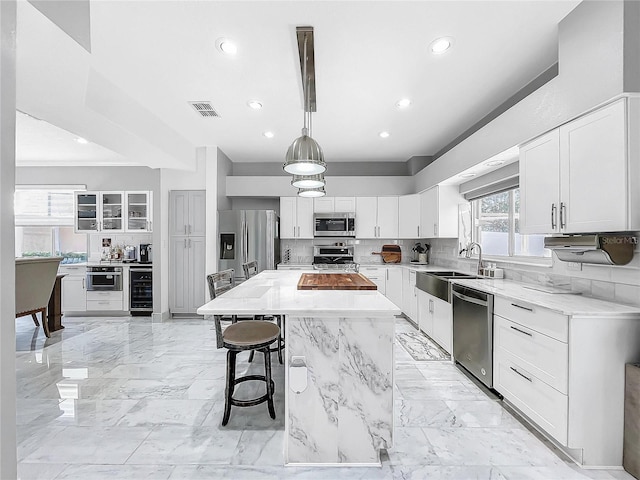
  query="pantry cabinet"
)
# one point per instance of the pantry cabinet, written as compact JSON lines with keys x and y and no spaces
{"x":376,"y":217}
{"x":296,"y":217}
{"x":576,"y":178}
{"x":439,"y":212}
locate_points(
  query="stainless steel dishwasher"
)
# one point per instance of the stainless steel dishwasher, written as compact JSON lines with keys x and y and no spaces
{"x":473,"y":332}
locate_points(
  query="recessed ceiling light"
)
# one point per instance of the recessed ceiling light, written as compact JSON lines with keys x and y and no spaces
{"x":404,"y":103}
{"x":268,"y":134}
{"x":440,"y":45}
{"x":256,"y":105}
{"x":494,"y":163}
{"x":384,"y":134}
{"x":226,"y":46}
{"x":467,"y":175}
{"x":81,"y":140}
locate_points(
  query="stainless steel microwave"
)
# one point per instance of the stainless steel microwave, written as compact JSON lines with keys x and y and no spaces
{"x":334,"y":225}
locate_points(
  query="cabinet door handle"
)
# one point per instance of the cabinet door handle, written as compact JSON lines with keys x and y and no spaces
{"x":523,"y":308}
{"x":298,"y":232}
{"x":563,"y":215}
{"x":189,"y":229}
{"x":522,"y":375}
{"x":189,"y":243}
{"x":387,"y":274}
{"x":185,"y":243}
{"x":185,"y":229}
{"x":553,"y":215}
{"x":522,"y":331}
{"x":83,"y":279}
{"x":418,"y":231}
{"x":430,"y":306}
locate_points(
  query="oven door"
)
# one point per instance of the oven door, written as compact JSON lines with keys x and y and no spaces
{"x":104,"y":281}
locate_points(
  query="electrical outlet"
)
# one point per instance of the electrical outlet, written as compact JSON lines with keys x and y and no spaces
{"x":574,"y":266}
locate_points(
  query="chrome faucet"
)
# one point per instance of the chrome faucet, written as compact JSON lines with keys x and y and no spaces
{"x":467,"y":254}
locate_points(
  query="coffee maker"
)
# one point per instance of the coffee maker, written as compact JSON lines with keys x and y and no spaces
{"x":145,"y":253}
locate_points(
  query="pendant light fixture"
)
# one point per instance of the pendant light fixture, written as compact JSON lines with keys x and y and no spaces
{"x":312,"y":192}
{"x":304,"y":157}
{"x":308,"y":181}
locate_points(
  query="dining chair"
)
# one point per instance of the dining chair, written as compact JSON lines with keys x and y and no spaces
{"x":251,"y":270}
{"x":254,"y":335}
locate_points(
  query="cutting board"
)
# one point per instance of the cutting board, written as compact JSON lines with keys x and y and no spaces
{"x":335,"y":281}
{"x":390,"y":253}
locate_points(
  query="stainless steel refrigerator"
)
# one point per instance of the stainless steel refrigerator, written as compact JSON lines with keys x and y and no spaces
{"x":247,"y":235}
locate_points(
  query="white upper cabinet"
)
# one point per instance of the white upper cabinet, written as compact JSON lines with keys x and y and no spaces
{"x":377,"y":217}
{"x":334,"y":205}
{"x":296,"y":217}
{"x":139,"y":212}
{"x":439,"y":212}
{"x":576,"y":178}
{"x":409,"y":216}
{"x":540,"y":184}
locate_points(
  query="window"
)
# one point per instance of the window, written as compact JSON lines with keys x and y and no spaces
{"x":497,"y":227}
{"x":44,"y":224}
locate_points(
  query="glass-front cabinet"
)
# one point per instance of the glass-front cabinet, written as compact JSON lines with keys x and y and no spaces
{"x":139,"y":212}
{"x":113,"y":212}
{"x":87,"y":212}
{"x":112,"y":208}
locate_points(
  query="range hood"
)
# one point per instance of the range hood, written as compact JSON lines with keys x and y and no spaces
{"x":599,"y":249}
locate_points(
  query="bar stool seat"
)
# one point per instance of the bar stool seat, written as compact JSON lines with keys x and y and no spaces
{"x":252,"y":335}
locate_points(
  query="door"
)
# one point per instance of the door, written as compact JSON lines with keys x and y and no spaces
{"x":393,"y":287}
{"x":593,"y":154}
{"x":366,"y":217}
{"x":540,"y":185}
{"x":288,"y":222}
{"x":429,"y":213}
{"x":87,"y":212}
{"x":387,"y":217}
{"x":425,"y":312}
{"x":442,"y":323}
{"x":198,"y":295}
{"x":178,"y":212}
{"x":197,"y":217}
{"x":179,"y":278}
{"x":138,"y":212}
{"x":231,"y":230}
{"x":344,"y":204}
{"x":112,"y":211}
{"x":74,"y":294}
{"x":409,"y":216}
{"x":323,"y":205}
{"x":304,"y":217}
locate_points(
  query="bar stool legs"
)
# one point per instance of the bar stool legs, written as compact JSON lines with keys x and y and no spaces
{"x":232,"y":381}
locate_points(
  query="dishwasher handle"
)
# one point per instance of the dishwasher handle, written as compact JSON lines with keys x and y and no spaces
{"x":470,"y":299}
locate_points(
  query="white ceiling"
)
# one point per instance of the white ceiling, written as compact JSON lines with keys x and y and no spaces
{"x":150,"y":58}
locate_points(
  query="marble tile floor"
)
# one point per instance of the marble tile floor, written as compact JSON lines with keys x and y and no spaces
{"x":126,"y":398}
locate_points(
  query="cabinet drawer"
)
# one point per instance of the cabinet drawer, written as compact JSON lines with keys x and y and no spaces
{"x":543,"y":356}
{"x":541,"y":403}
{"x":534,"y":317}
{"x":103,"y":296}
{"x":98,"y":305}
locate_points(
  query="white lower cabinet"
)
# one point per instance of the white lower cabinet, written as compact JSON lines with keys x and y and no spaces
{"x":425,"y":315}
{"x":435,"y":318}
{"x":74,"y":292}
{"x":409,"y":294}
{"x":565,"y":372}
{"x":393,"y":285}
{"x":97,"y":301}
{"x":377,"y":275}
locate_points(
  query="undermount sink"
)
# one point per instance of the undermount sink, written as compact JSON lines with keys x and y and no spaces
{"x":437,"y":283}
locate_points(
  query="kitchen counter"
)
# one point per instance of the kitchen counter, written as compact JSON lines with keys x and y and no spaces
{"x":567,"y":304}
{"x":344,"y":411}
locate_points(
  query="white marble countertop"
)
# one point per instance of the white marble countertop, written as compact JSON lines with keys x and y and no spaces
{"x":275,"y":292}
{"x":567,"y":304}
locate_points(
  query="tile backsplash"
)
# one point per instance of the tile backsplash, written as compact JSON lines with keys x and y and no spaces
{"x":620,"y":284}
{"x":95,"y":241}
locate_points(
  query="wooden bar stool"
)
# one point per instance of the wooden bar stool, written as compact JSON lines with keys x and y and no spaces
{"x":254,"y":335}
{"x":250,"y":270}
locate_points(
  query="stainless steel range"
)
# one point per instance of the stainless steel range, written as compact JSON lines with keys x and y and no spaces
{"x":332,"y":254}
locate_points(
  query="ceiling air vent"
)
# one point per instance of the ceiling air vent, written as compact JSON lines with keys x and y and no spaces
{"x":205,"y":109}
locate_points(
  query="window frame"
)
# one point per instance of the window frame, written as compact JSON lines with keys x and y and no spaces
{"x":511,"y":256}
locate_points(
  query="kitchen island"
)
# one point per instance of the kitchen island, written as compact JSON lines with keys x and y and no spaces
{"x":338,"y":369}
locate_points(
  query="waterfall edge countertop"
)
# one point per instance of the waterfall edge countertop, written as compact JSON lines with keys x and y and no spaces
{"x":276,"y":292}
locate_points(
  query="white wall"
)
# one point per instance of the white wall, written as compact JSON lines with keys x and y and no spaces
{"x":8,"y":459}
{"x":591,"y":71}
